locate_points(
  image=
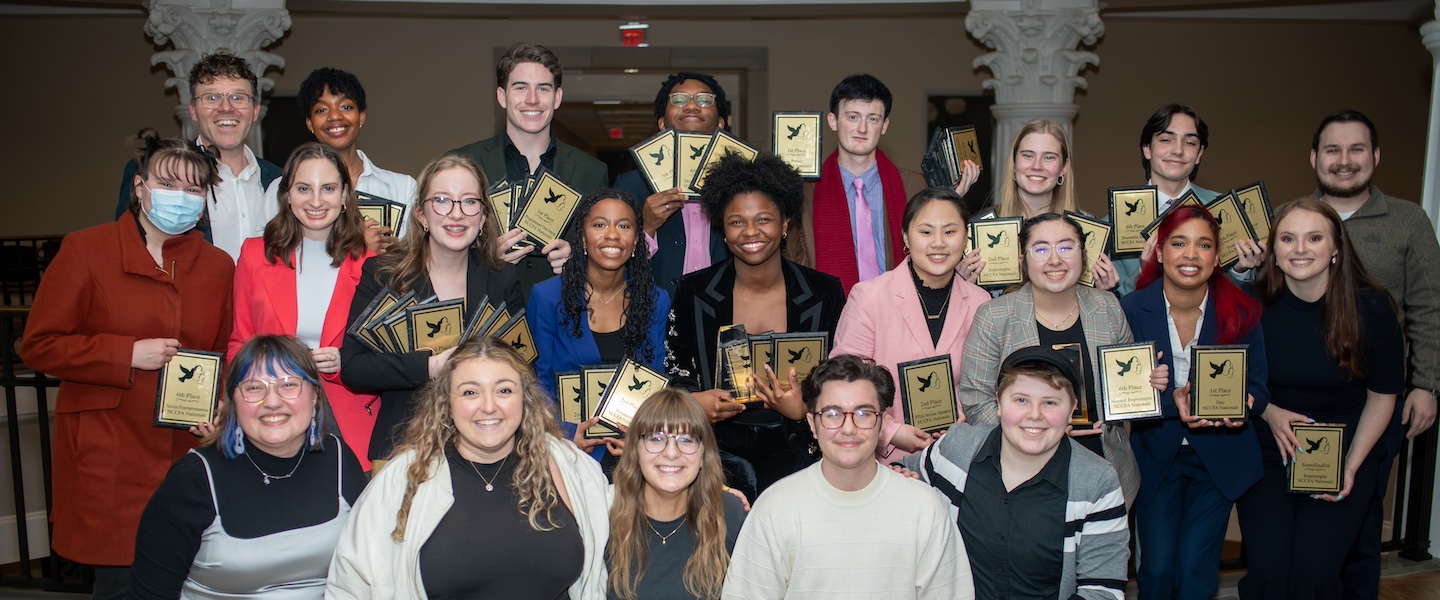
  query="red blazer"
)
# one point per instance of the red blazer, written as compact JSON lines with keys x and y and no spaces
{"x":265,"y":303}
{"x":101,"y":294}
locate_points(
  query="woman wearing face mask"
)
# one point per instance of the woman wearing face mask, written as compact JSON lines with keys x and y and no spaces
{"x":113,"y":308}
{"x":917,"y":310}
{"x":299,"y":279}
{"x":447,"y":252}
{"x":604,"y":307}
{"x":1052,"y":308}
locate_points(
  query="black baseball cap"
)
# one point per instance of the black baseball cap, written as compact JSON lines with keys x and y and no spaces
{"x":1065,"y":360}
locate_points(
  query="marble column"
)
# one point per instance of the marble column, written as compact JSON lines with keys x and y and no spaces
{"x":1035,"y":62}
{"x":196,"y":28}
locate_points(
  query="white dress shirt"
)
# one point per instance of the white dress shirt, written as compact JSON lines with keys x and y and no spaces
{"x":238,"y":211}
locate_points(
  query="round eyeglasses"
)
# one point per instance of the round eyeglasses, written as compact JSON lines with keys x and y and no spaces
{"x":1042,"y":251}
{"x":834,"y":418}
{"x":656,"y":442}
{"x":444,"y":206}
{"x":288,"y":387}
{"x":702,"y":99}
{"x":236,"y":100}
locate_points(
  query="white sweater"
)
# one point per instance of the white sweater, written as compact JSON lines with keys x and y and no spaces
{"x":806,"y":539}
{"x":369,"y":564}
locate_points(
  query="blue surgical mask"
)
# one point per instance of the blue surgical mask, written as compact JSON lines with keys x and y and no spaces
{"x":173,"y":211}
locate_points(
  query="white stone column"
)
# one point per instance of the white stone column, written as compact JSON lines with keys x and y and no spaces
{"x":200,"y":27}
{"x":1035,"y":62}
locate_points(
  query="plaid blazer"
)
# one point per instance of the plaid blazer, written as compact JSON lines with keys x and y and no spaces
{"x":1006,"y":324}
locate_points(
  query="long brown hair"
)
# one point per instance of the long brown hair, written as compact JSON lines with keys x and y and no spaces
{"x":1062,"y":198}
{"x":409,"y":259}
{"x":284,"y":233}
{"x":431,"y":429}
{"x":627,"y":554}
{"x":1347,"y":278}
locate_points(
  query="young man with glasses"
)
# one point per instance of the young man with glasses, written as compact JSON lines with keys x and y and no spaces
{"x":680,"y":236}
{"x":225,"y":104}
{"x":528,"y":82}
{"x":846,"y":525}
{"x":1041,"y":516}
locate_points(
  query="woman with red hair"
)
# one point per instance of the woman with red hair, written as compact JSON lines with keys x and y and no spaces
{"x":1191,"y":470}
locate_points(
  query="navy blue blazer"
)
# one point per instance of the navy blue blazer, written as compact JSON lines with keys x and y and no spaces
{"x":668,"y":264}
{"x":1232,"y":455}
{"x":559,"y":351}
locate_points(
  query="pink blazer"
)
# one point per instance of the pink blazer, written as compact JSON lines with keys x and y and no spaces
{"x":265,"y":303}
{"x":883,"y":319}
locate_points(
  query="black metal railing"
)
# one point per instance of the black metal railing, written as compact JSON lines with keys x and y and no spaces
{"x":22,"y":261}
{"x":48,"y":572}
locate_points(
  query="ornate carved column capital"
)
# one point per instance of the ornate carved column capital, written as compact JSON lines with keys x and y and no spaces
{"x":1035,"y":59}
{"x":199,"y":27}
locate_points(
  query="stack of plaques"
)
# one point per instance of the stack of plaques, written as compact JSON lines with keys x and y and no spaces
{"x":1243,"y":214}
{"x":543,"y":207}
{"x":740,"y":359}
{"x":681,"y":159}
{"x":949,"y":148}
{"x":612,"y":392}
{"x":401,"y":324}
{"x":381,"y":210}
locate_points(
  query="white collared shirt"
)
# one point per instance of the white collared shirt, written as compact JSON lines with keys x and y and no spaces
{"x":1165,"y":200}
{"x":238,"y":210}
{"x":373,"y":180}
{"x":1180,"y":352}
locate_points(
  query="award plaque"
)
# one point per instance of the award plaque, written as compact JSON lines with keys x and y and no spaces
{"x":999,"y":243}
{"x":631,"y":386}
{"x":501,"y":198}
{"x":436,"y":327}
{"x":385,"y":212}
{"x":567,"y":395}
{"x":964,"y":145}
{"x":548,"y":209}
{"x":1234,"y":226}
{"x":482,"y":317}
{"x":1096,"y":236}
{"x":721,"y":145}
{"x":795,"y":138}
{"x":189,"y":389}
{"x":934,"y":165}
{"x":690,"y":149}
{"x":733,"y":366}
{"x":516,"y":333}
{"x":497,"y":320}
{"x":655,"y":158}
{"x":1125,"y":390}
{"x":397,"y":328}
{"x":762,"y":352}
{"x":1256,"y":203}
{"x":376,"y":211}
{"x":1083,"y":417}
{"x":1320,"y":469}
{"x":1131,"y":209}
{"x":1217,"y":381}
{"x":927,"y":389}
{"x":799,"y":351}
{"x":1189,"y":199}
{"x":360,"y":328}
{"x":593,"y":380}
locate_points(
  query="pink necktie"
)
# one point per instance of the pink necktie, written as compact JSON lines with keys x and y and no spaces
{"x":865,"y":257}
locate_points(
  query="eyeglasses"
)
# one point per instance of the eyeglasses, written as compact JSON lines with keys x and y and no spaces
{"x":702,"y":99}
{"x":655,"y":443}
{"x":444,"y":206}
{"x":237,"y":100}
{"x":834,"y":418}
{"x":288,"y":387}
{"x":1042,"y":251}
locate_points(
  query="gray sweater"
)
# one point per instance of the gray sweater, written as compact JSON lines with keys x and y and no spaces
{"x":1097,"y":532}
{"x":1396,"y":242}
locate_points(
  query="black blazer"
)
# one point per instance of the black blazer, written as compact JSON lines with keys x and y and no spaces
{"x":703,"y":303}
{"x":668,"y":264}
{"x":396,"y":377}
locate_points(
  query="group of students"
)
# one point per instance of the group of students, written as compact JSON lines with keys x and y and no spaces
{"x":451,"y":475}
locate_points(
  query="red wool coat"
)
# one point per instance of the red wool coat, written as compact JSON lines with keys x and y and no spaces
{"x":101,"y":294}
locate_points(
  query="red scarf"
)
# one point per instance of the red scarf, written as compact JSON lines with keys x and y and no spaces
{"x":834,"y":235}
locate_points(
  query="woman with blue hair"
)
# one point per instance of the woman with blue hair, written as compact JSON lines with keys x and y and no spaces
{"x":257,"y":508}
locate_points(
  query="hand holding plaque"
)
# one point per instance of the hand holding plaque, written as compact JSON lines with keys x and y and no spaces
{"x":1218,"y":382}
{"x":1096,"y":239}
{"x":188,"y":392}
{"x":998,"y":241}
{"x":1256,"y":203}
{"x":1234,"y":227}
{"x":594,"y":380}
{"x":631,"y":386}
{"x":927,"y":389}
{"x":1125,"y":390}
{"x":548,"y":208}
{"x":1320,"y":467}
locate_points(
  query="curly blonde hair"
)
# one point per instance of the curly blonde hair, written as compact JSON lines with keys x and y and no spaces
{"x":431,"y":429}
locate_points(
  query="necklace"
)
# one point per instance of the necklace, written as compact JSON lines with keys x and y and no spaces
{"x":612,"y":296}
{"x":920,"y":285}
{"x":267,"y":477}
{"x":937,"y":314}
{"x":489,"y":486}
{"x":664,"y":536}
{"x":1055,"y":325}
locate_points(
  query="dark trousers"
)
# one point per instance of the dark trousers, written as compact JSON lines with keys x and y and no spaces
{"x":1182,"y":531}
{"x":1361,"y":574}
{"x":1294,"y":545}
{"x":112,"y":583}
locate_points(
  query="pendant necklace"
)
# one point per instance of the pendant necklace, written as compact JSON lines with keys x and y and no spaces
{"x":664,"y":536}
{"x":489,"y":485}
{"x":267,"y":477}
